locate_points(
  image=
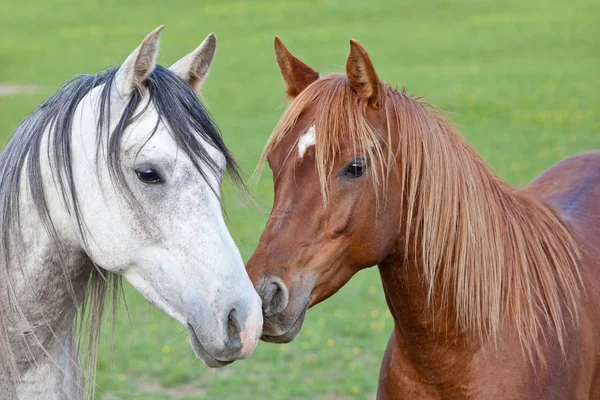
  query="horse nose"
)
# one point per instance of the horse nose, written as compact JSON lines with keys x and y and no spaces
{"x":274,"y":294}
{"x":243,"y":329}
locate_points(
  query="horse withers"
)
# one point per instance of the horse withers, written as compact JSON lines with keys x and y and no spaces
{"x":495,"y":292}
{"x":117,"y":174}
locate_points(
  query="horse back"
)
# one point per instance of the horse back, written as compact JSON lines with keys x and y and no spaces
{"x":572,"y":188}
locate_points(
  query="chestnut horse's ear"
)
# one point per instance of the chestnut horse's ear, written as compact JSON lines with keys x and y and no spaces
{"x":362,"y":75}
{"x":296,"y":74}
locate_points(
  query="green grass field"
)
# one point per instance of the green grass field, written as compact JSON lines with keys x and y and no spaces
{"x":520,"y":78}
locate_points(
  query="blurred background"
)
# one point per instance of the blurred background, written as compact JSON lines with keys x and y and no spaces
{"x":519,"y":77}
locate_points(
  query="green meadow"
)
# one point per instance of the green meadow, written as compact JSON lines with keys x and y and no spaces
{"x":521,"y":79}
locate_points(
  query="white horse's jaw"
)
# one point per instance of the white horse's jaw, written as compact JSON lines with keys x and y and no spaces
{"x":209,"y":294}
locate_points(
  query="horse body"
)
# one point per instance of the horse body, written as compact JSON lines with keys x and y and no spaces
{"x":118,"y":174}
{"x":494,"y":291}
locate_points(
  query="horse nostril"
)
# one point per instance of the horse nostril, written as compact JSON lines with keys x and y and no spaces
{"x":234,"y":329}
{"x":274,"y":296}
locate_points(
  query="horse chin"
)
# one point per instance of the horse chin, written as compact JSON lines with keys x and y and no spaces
{"x":290,"y":334}
{"x":202,"y":354}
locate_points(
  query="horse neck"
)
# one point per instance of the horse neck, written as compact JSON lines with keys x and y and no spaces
{"x":433,"y":353}
{"x":48,"y":280}
{"x":470,"y":252}
{"x":425,"y":324}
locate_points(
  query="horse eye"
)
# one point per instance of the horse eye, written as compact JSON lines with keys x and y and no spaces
{"x":147,"y":174}
{"x":355,"y":169}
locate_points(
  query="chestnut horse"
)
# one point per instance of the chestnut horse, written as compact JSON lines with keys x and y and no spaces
{"x":494,"y":291}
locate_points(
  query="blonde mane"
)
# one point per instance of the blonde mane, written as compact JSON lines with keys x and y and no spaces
{"x":492,"y":254}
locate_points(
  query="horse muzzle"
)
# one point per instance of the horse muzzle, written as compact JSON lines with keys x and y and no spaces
{"x":235,"y":336}
{"x":283,"y":315}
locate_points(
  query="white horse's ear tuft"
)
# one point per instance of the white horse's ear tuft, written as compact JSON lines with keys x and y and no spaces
{"x":138,"y":65}
{"x":194,"y":67}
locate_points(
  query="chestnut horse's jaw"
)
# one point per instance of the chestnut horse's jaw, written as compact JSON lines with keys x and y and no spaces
{"x":290,"y":334}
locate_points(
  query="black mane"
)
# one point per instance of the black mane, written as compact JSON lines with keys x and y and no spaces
{"x":176,"y":104}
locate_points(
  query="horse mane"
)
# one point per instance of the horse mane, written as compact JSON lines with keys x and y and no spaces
{"x":189,"y":124}
{"x":489,"y":254}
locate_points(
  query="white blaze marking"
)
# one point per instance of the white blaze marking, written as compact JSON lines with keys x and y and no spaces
{"x":307,"y":140}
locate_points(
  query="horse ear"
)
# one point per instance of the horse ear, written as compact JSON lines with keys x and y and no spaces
{"x":138,"y":65}
{"x":362,"y":75}
{"x":194,"y":67}
{"x":296,"y":74}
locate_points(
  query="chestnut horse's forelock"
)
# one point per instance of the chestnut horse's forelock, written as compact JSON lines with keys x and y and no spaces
{"x":337,"y":110}
{"x":487,"y":251}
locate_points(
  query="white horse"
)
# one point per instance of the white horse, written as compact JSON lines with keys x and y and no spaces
{"x":117,"y":174}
